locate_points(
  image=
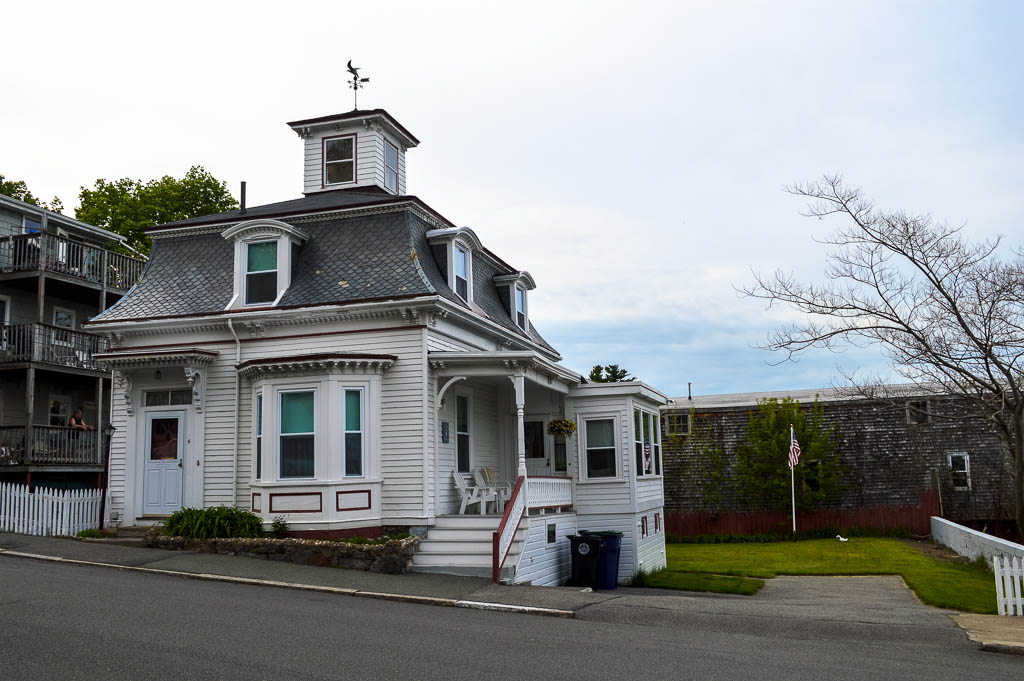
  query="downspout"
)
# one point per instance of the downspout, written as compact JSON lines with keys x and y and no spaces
{"x":238,"y":394}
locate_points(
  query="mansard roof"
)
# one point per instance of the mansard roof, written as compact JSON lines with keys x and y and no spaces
{"x":346,"y":259}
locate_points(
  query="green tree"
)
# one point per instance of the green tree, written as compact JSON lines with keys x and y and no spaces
{"x":128,"y":206}
{"x":762,"y":462}
{"x":17,"y":189}
{"x":609,"y":373}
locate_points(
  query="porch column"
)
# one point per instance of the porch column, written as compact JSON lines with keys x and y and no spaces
{"x":30,"y":408}
{"x":520,"y":388}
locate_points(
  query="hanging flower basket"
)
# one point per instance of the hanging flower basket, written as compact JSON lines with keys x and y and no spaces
{"x":563,"y":427}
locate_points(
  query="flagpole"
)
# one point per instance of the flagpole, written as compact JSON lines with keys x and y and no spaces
{"x":792,"y":481}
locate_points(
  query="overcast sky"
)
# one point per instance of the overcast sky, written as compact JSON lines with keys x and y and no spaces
{"x":629,"y":155}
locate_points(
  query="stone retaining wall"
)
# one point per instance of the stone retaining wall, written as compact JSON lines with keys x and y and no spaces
{"x":392,"y":557}
{"x":971,"y":543}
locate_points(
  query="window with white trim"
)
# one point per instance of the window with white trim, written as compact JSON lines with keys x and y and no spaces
{"x":677,"y":424}
{"x":258,"y":429}
{"x":30,"y":225}
{"x":297,"y":434}
{"x":521,"y":307}
{"x":339,"y":159}
{"x":463,"y":454}
{"x":353,"y":445}
{"x":260,"y":272}
{"x":390,"y":166}
{"x":599,"y":450}
{"x":960,"y":470}
{"x":64,"y":317}
{"x":462,"y":268}
{"x":647,"y":442}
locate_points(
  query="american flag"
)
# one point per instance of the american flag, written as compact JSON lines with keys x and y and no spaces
{"x":794,"y":449}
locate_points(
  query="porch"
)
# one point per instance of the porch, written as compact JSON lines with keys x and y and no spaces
{"x":22,"y":344}
{"x":39,"y":447}
{"x":76,"y":261}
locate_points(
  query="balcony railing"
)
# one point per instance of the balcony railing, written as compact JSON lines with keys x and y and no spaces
{"x":50,"y":345}
{"x":46,"y":252}
{"x":50,"y":445}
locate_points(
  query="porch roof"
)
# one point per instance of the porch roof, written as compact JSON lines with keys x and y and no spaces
{"x":502,"y":363}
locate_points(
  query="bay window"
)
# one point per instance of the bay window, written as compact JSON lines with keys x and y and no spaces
{"x":647,"y":442}
{"x":353,"y":445}
{"x":599,"y":448}
{"x":258,"y":428}
{"x":297,"y":442}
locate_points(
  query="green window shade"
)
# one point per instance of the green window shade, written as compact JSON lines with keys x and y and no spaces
{"x":600,"y":433}
{"x":297,"y":412}
{"x":261,"y":257}
{"x":352,"y":410}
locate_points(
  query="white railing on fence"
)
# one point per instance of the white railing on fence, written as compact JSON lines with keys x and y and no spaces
{"x":548,"y":492}
{"x":48,"y":512}
{"x":1009,"y":573}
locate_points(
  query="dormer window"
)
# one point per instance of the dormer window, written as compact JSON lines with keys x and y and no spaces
{"x":521,"y":308}
{"x":390,"y":166}
{"x":462,"y":272}
{"x":340,"y":159}
{"x":260,"y":272}
{"x":265,"y":258}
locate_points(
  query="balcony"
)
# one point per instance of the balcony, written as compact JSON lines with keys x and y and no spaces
{"x":42,"y":343}
{"x":50,"y":446}
{"x":77,"y":261}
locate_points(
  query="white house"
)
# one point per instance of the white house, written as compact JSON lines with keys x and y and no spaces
{"x":345,"y":358}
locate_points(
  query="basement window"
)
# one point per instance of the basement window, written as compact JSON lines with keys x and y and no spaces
{"x":960,"y":470}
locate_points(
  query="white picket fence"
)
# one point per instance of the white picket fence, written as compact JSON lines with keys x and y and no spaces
{"x":1009,"y":572}
{"x":48,"y":512}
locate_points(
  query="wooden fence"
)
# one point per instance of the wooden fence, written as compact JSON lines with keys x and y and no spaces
{"x":1009,"y":573}
{"x":48,"y":512}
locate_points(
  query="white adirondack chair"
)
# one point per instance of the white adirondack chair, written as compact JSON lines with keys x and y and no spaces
{"x":472,"y":495}
{"x":486,"y":479}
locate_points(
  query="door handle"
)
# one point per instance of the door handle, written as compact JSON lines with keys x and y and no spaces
{"x":179,"y":463}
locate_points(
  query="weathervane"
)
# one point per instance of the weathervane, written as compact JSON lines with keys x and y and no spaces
{"x":355,"y":83}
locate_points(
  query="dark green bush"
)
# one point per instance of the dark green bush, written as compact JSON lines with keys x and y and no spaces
{"x":219,"y":521}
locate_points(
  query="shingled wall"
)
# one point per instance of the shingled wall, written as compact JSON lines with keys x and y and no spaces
{"x":896,"y":471}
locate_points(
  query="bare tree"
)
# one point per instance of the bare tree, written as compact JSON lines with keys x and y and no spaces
{"x":948,"y":313}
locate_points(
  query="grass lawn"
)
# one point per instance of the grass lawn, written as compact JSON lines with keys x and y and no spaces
{"x":944,"y":584}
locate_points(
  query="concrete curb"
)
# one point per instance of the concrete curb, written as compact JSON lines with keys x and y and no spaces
{"x":402,"y":598}
{"x":1004,"y":648}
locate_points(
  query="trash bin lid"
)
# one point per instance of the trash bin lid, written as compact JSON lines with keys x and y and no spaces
{"x":601,"y":533}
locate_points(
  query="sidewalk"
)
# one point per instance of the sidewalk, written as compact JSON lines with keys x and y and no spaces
{"x":994,"y":632}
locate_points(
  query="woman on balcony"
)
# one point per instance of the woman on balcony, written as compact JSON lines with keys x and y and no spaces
{"x":77,"y":422}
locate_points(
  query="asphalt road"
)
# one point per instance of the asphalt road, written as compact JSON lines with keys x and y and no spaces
{"x":71,"y":622}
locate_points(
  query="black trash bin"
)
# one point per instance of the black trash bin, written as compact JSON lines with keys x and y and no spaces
{"x":608,"y":564}
{"x":586,"y":554}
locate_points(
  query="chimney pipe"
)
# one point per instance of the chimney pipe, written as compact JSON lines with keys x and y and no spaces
{"x":241,"y":210}
{"x":689,"y":392}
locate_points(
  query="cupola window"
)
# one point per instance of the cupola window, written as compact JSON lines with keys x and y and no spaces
{"x":260,"y":272}
{"x":340,"y":159}
{"x":390,"y":166}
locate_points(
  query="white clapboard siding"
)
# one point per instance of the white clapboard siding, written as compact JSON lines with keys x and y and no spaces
{"x":541,"y":563}
{"x":651,"y":549}
{"x":613,"y":496}
{"x":118,"y":446}
{"x":1009,"y":576}
{"x":369,"y":159}
{"x":649,"y":494}
{"x":48,"y":512}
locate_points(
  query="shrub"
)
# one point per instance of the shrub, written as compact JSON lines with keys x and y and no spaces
{"x":207,"y":523}
{"x":279,"y":528}
{"x":90,"y":534}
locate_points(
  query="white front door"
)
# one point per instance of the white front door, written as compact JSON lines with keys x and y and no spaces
{"x":163,"y":472}
{"x":537,"y":457}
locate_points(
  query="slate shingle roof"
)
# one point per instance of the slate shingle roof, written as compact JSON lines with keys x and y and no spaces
{"x":344,"y":260}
